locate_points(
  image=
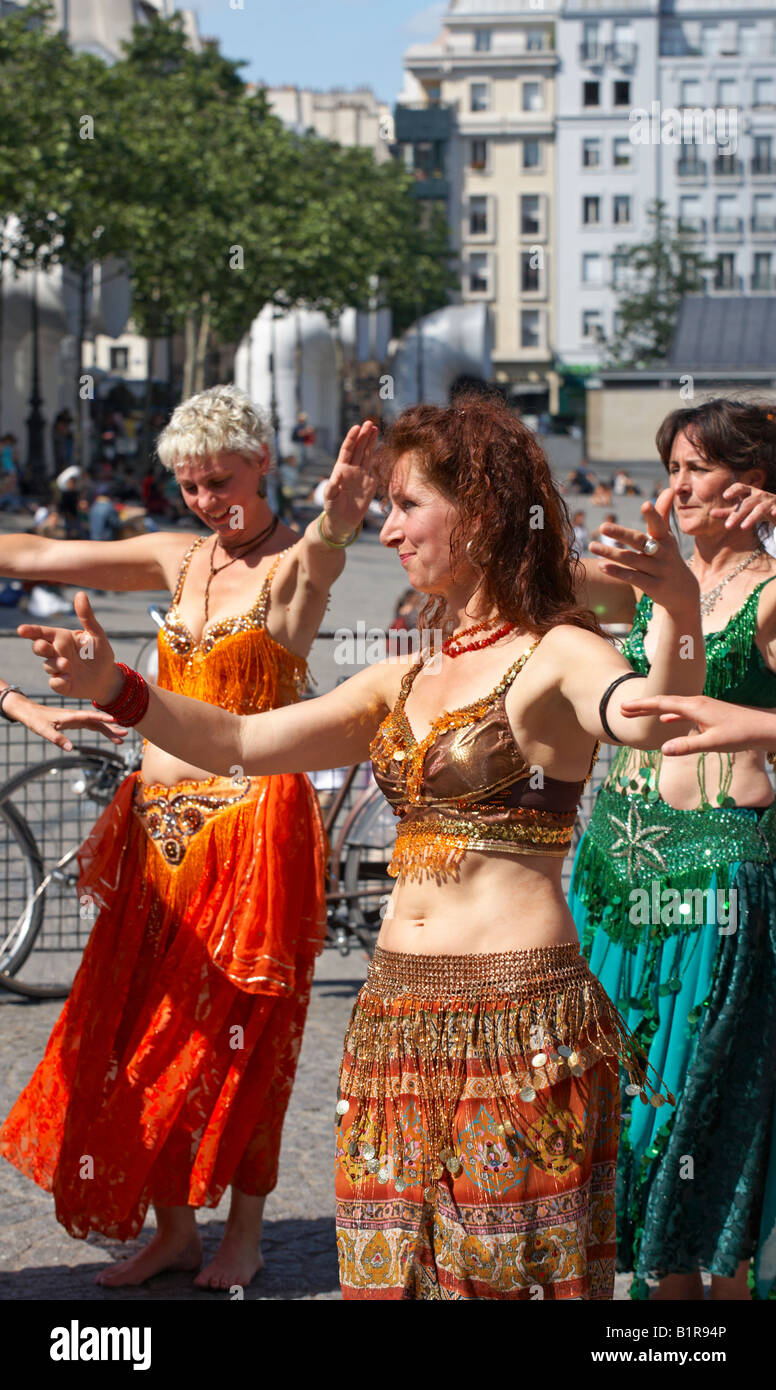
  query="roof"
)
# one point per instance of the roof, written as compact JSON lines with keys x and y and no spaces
{"x":732,"y":331}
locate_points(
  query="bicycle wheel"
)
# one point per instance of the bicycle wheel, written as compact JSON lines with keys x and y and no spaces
{"x":51,"y":808}
{"x":365,"y":848}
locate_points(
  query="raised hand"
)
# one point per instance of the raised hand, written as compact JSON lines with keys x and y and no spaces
{"x":664,"y":574}
{"x":748,"y":506}
{"x":721,"y":727}
{"x":352,"y":485}
{"x":79,"y":664}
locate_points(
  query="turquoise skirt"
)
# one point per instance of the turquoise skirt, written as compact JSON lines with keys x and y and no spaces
{"x":676,"y":912}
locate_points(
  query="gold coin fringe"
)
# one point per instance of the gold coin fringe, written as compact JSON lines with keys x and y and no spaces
{"x":528,"y":1019}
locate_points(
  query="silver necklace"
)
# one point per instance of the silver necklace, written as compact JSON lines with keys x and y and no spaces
{"x":710,"y":598}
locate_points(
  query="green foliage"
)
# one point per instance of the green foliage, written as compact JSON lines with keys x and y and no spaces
{"x":656,"y":274}
{"x":217,"y":208}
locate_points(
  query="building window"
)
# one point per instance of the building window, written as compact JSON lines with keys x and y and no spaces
{"x":763,"y":155}
{"x":532,"y":154}
{"x":482,"y":40}
{"x":534,"y":43}
{"x":747,"y":40}
{"x":592,"y":324}
{"x":619,"y":269}
{"x":691,"y":92}
{"x":621,"y":208}
{"x":725,"y":277}
{"x":727,"y":92}
{"x":478,"y":154}
{"x":119,"y":359}
{"x":479,"y":272}
{"x":623,"y":153}
{"x":478,"y":215}
{"x":763,"y":91}
{"x":591,"y":152}
{"x":591,"y":210}
{"x":711,"y":40}
{"x":530,"y":328}
{"x":764,"y":219}
{"x":592,"y":268}
{"x":622,"y":95}
{"x":591,"y":93}
{"x":690,"y":212}
{"x":433,"y":92}
{"x":762,"y":276}
{"x":728,"y":216}
{"x":479,"y":96}
{"x":591,"y":44}
{"x":530,"y":275}
{"x":530,"y":214}
{"x":532,"y":96}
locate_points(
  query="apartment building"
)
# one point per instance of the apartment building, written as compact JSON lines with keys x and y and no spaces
{"x":546,"y":128}
{"x":608,"y":62}
{"x":721,"y":59}
{"x":475,"y":125}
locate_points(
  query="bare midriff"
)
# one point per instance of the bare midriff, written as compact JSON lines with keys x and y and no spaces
{"x":497,"y":903}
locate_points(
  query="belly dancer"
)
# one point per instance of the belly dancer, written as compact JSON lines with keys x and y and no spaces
{"x":171,"y":1065}
{"x":478,"y":1109}
{"x":674,"y":892}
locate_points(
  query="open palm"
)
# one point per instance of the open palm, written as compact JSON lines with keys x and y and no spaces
{"x":352,"y":484}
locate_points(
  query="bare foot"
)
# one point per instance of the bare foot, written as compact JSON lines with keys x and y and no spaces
{"x":237,"y":1261}
{"x":167,"y":1250}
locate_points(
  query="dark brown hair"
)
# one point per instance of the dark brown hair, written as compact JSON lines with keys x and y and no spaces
{"x":478,"y":454}
{"x":739,"y":434}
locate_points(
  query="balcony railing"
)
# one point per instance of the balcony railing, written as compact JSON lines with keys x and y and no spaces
{"x":727,"y":284}
{"x":727,"y":166}
{"x":765,"y":283}
{"x":763,"y":164}
{"x":728,"y":226}
{"x":592,"y":52}
{"x":690,"y":168}
{"x":764,"y":222}
{"x":430,"y":186}
{"x":624,"y":54}
{"x":695,"y":226}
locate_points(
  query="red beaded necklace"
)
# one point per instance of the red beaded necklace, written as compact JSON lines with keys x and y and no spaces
{"x":452,"y":645}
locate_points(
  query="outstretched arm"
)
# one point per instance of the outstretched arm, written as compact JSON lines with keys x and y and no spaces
{"x":139,"y":563}
{"x":53,"y":724}
{"x":330,"y":731}
{"x":721,"y":727}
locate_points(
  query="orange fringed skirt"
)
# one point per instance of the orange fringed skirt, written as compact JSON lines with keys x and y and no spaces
{"x":168,"y":1073}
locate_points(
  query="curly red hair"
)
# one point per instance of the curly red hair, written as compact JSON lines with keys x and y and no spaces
{"x":481,"y":457}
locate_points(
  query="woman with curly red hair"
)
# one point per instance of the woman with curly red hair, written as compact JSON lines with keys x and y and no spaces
{"x":478,"y":1107}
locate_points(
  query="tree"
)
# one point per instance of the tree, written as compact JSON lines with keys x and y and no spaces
{"x":655,"y":275}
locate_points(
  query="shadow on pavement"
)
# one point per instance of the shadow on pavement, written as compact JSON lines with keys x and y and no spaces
{"x":300,"y":1262}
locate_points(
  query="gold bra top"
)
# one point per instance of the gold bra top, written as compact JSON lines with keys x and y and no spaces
{"x":236,"y":664}
{"x":466,"y":786}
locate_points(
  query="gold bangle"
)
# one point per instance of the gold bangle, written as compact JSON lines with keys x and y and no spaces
{"x":338,"y":545}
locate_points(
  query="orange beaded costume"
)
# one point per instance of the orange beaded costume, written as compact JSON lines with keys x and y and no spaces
{"x":171,"y":1065}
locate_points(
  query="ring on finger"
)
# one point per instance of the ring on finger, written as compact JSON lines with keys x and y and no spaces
{"x":650,"y":546}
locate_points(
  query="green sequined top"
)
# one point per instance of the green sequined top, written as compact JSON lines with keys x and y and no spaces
{"x":735,"y":669}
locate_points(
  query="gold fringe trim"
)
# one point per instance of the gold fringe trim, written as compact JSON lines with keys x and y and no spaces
{"x":517,"y":1022}
{"x":433,"y":847}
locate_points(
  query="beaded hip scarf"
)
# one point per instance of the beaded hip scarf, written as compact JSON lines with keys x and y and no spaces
{"x":510,"y":1024}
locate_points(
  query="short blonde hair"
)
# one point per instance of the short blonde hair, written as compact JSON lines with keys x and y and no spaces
{"x":217,"y":421}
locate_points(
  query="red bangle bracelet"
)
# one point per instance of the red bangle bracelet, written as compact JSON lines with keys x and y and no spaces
{"x":131,"y":703}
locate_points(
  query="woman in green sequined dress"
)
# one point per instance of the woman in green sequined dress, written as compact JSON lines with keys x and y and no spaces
{"x":674,"y":894}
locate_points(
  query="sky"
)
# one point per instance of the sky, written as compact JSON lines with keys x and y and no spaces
{"x":320,"y":43}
